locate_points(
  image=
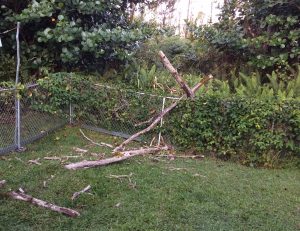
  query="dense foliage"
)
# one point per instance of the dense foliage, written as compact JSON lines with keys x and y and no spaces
{"x":257,"y":125}
{"x":249,"y":130}
{"x":265,"y":35}
{"x":72,"y":34}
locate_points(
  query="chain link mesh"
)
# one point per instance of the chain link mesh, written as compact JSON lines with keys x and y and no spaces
{"x":7,"y":120}
{"x":123,"y":112}
{"x":108,"y":110}
{"x":35,"y":118}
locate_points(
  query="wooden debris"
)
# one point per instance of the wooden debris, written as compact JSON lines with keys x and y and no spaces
{"x":183,"y":156}
{"x":190,"y":94}
{"x":121,"y":156}
{"x":27,"y":198}
{"x":176,"y":75}
{"x":131,"y":184}
{"x":52,"y":158}
{"x":76,"y":194}
{"x":80,"y":150}
{"x":144,"y":122}
{"x":101,"y":144}
{"x":36,"y":161}
{"x":196,"y":175}
{"x":149,"y":128}
{"x":177,"y":169}
{"x":2,"y":183}
{"x":120,"y":176}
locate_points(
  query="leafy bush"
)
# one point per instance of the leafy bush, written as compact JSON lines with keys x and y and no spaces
{"x":250,"y":130}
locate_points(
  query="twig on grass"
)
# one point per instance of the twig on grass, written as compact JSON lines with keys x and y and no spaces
{"x":76,"y":194}
{"x":101,"y":144}
{"x":36,"y":161}
{"x":2,"y":183}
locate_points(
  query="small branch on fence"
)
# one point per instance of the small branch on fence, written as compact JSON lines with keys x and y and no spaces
{"x":36,"y":161}
{"x":27,"y":198}
{"x":178,"y":78}
{"x":202,"y":82}
{"x":2,"y":183}
{"x":151,"y":126}
{"x":121,"y":156}
{"x":93,"y":142}
{"x":144,"y":122}
{"x":76,"y":194}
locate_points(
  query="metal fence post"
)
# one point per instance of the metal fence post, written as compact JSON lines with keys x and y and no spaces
{"x":162,"y":120}
{"x":17,"y":96}
{"x":70,"y":113}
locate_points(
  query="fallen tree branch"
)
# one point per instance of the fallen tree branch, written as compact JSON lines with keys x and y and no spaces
{"x":201,"y":83}
{"x":176,"y":75}
{"x":36,"y":161}
{"x":93,"y":142}
{"x":144,"y":122}
{"x":2,"y":183}
{"x":27,"y":198}
{"x":151,"y":126}
{"x":121,"y":156}
{"x":76,"y":194}
{"x":183,"y":157}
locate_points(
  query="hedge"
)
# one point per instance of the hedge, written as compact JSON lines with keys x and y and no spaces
{"x":246,"y":129}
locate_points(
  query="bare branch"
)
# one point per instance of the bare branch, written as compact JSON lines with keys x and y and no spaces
{"x":121,"y":156}
{"x":27,"y":198}
{"x":76,"y":194}
{"x":93,"y":142}
{"x":176,"y":75}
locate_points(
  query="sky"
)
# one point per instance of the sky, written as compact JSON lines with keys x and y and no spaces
{"x":207,"y":8}
{"x":197,"y":6}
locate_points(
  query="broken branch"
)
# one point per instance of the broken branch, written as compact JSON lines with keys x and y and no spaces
{"x":176,"y":75}
{"x":151,"y":126}
{"x":76,"y":194}
{"x":93,"y":142}
{"x":27,"y":198}
{"x":121,"y":156}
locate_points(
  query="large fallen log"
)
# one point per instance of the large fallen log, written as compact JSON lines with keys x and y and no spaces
{"x":176,"y":75}
{"x":121,"y":156}
{"x":24,"y":197}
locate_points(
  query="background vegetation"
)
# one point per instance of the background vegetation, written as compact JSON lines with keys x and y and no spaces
{"x":249,"y":112}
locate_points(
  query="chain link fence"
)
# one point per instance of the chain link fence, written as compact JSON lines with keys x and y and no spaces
{"x":24,"y":117}
{"x":123,"y":112}
{"x":27,"y":115}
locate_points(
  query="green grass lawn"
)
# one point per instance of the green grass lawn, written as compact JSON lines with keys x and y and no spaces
{"x":203,"y":195}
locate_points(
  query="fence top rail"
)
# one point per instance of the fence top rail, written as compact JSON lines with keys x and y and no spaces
{"x":27,"y":86}
{"x":137,"y":92}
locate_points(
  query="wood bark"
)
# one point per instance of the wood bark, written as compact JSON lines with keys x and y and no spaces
{"x":27,"y":198}
{"x":176,"y":75}
{"x":121,"y":156}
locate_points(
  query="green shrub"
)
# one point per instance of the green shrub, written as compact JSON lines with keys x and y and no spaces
{"x":252,"y":131}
